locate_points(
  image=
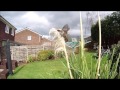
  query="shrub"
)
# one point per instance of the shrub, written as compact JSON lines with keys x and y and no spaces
{"x":60,"y":54}
{"x":45,"y":55}
{"x":31,"y":58}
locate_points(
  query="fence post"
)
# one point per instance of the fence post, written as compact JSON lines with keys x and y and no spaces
{"x":12,"y":53}
{"x":8,"y":55}
{"x":27,"y":53}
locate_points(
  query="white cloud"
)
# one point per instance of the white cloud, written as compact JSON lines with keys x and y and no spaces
{"x":47,"y":37}
{"x":42,"y":22}
{"x":74,"y":32}
{"x":33,"y":18}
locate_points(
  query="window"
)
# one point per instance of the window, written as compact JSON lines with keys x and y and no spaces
{"x":12,"y":33}
{"x":29,"y":38}
{"x":10,"y":30}
{"x":7,"y":29}
{"x":3,"y":43}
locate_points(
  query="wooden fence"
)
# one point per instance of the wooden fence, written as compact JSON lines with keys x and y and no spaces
{"x":21,"y":53}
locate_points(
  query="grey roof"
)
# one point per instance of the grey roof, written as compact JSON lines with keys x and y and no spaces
{"x":28,"y":30}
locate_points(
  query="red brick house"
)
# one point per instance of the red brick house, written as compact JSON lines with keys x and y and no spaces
{"x":29,"y":37}
{"x":46,"y":42}
{"x":7,"y":31}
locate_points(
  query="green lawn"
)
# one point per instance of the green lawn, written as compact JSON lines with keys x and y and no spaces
{"x":41,"y":70}
{"x":49,"y":69}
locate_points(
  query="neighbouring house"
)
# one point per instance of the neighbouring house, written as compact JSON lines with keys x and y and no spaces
{"x":88,"y":43}
{"x":27,"y":36}
{"x":87,"y":39}
{"x":74,"y":40}
{"x":78,"y":38}
{"x":46,"y":42}
{"x":7,"y":31}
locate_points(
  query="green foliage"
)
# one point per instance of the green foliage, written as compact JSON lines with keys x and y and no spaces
{"x":49,"y":69}
{"x":60,"y":55}
{"x":110,"y":29}
{"x":85,"y":67}
{"x":31,"y":58}
{"x":45,"y":55}
{"x":95,"y":32}
{"x":115,"y":59}
{"x":57,"y":69}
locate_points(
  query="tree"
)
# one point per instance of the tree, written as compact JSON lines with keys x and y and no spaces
{"x":110,"y":27}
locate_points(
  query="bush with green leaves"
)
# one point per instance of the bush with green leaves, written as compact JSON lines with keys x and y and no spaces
{"x":110,"y":29}
{"x":60,"y":55}
{"x":31,"y":58}
{"x":45,"y":55}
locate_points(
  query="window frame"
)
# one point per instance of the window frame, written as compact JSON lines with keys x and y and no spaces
{"x":7,"y":29}
{"x":29,"y":38}
{"x":12,"y":32}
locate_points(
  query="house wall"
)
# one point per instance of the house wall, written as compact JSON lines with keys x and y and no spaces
{"x":3,"y":35}
{"x":0,"y":54}
{"x":21,"y":37}
{"x":46,"y":42}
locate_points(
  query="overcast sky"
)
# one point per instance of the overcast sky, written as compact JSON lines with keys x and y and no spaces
{"x":43,"y":21}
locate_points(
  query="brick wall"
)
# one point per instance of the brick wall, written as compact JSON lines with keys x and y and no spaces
{"x":0,"y":54}
{"x":21,"y":37}
{"x":3,"y":53}
{"x":46,"y":42}
{"x":4,"y":35}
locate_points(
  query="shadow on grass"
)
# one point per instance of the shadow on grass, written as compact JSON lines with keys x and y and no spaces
{"x":16,"y":71}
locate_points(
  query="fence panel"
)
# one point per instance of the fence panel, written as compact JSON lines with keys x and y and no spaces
{"x":21,"y":53}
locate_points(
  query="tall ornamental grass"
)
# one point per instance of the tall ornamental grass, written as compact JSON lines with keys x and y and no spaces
{"x":78,"y":66}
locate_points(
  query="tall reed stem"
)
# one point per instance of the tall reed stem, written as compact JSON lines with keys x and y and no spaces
{"x":68,"y":64}
{"x":81,"y":34}
{"x":82,"y":47}
{"x":99,"y":58}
